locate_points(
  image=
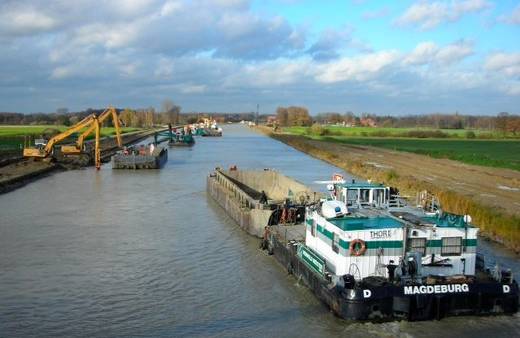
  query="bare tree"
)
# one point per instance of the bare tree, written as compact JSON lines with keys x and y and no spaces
{"x":170,"y":112}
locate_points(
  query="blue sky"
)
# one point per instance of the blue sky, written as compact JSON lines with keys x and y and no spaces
{"x":384,"y":57}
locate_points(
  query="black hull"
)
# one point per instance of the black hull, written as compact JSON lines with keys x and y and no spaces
{"x":388,"y":301}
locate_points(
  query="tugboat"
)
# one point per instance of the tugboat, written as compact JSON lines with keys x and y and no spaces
{"x":182,"y":140}
{"x":364,"y":250}
{"x":370,"y":256}
{"x":208,"y":127}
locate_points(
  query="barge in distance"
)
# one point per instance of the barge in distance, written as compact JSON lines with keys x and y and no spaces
{"x":366,"y":253}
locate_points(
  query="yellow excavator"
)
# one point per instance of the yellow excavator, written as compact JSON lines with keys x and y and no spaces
{"x":78,"y":147}
{"x":92,"y":123}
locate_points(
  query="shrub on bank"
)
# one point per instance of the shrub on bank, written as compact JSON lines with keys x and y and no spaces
{"x":427,"y":134}
{"x":470,"y":134}
{"x":318,"y":129}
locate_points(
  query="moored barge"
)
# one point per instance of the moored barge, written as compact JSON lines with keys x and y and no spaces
{"x":140,"y":157}
{"x":367,"y":254}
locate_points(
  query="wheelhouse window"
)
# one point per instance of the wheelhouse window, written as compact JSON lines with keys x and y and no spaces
{"x":417,"y":245}
{"x":313,"y":228}
{"x":335,"y":243}
{"x":364,"y":196}
{"x":352,"y":197}
{"x":451,"y":246}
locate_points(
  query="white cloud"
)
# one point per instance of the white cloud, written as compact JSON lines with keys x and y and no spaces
{"x":221,"y":55}
{"x":128,"y":69}
{"x":164,"y":68}
{"x":513,"y":89}
{"x":429,"y":53}
{"x":427,"y":14}
{"x":270,"y":73}
{"x":170,"y":7}
{"x":504,"y":63}
{"x":131,"y":8}
{"x":193,"y":89}
{"x":356,"y":68}
{"x":61,"y":72}
{"x":330,"y":42}
{"x":174,"y":27}
{"x":24,"y":21}
{"x":513,"y":18}
{"x":422,"y":54}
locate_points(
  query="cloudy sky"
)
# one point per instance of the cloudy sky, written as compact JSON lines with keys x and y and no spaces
{"x":386,"y":57}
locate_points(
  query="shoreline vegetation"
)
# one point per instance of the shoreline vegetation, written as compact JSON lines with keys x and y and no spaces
{"x":494,"y":223}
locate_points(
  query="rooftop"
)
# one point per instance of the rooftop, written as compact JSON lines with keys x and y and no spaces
{"x":362,"y":185}
{"x":447,"y":220}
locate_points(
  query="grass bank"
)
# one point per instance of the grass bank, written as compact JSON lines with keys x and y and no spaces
{"x":7,"y":131}
{"x":494,"y":223}
{"x":500,"y":153}
{"x":399,"y":132}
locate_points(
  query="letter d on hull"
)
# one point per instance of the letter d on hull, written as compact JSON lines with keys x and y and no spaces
{"x":368,"y":293}
{"x":506,"y":288}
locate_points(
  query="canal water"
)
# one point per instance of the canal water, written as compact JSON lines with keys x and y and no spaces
{"x":90,"y":253}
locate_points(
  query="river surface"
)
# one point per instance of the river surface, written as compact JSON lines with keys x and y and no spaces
{"x":106,"y":253}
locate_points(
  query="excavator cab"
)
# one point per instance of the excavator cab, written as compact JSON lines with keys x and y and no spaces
{"x":38,"y":152}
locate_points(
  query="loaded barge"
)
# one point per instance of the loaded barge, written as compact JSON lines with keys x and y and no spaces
{"x":364,"y":251}
{"x":140,"y":157}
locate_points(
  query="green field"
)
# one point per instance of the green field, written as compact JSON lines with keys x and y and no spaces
{"x":400,"y":132}
{"x":500,"y":153}
{"x":35,"y":131}
{"x":12,"y":138}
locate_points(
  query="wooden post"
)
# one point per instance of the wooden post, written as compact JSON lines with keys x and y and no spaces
{"x":97,"y":150}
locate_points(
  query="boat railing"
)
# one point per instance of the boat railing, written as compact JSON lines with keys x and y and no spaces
{"x":396,"y":201}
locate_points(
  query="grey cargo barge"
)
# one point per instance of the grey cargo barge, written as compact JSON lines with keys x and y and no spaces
{"x":239,"y":192}
{"x":136,"y":160}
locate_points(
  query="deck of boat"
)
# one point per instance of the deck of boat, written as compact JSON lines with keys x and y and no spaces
{"x":287,"y":233}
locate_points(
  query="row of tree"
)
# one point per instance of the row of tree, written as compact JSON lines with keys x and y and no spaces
{"x":285,"y":116}
{"x":293,"y":116}
{"x":147,"y":118}
{"x":142,"y":118}
{"x":503,"y":122}
{"x":508,"y":123}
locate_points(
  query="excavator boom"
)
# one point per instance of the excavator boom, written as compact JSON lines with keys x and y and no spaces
{"x":47,"y":150}
{"x":78,"y":148}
